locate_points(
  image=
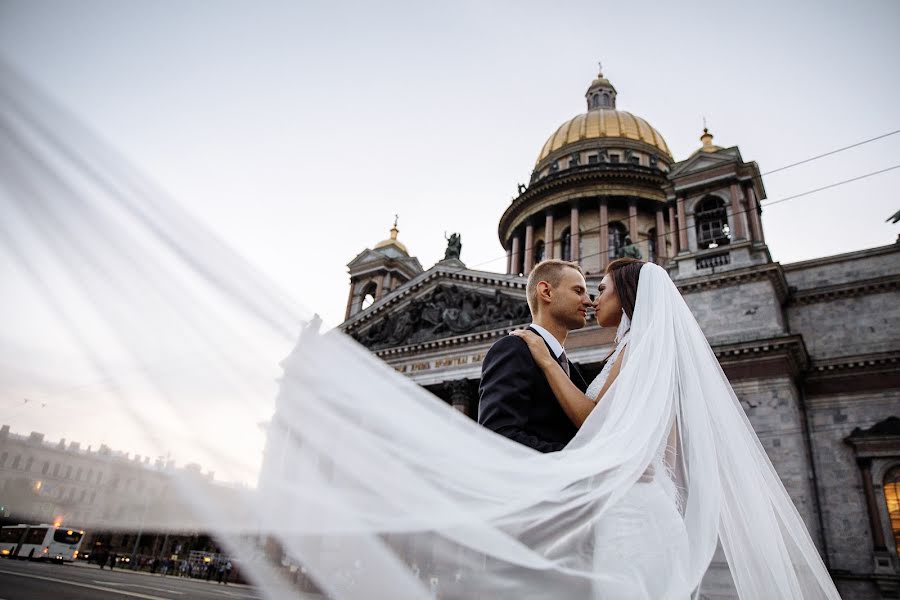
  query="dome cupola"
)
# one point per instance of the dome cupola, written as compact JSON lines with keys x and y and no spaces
{"x":604,"y":134}
{"x":601,"y":94}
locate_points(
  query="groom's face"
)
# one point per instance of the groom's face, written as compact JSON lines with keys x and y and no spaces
{"x":570,"y":301}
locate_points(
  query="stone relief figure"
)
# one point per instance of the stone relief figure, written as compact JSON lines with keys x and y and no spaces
{"x":408,"y":320}
{"x":454,"y":246}
{"x":447,"y":309}
{"x":574,"y":159}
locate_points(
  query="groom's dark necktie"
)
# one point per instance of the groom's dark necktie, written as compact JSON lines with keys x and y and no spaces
{"x":564,"y":362}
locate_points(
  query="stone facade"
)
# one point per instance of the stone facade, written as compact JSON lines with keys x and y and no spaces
{"x":48,"y":482}
{"x":812,"y":348}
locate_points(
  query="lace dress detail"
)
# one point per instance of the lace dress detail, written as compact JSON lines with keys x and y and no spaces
{"x":600,"y":380}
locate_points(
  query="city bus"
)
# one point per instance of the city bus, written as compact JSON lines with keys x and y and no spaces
{"x":40,"y":542}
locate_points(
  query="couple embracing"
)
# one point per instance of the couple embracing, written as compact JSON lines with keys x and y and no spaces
{"x":673,"y":469}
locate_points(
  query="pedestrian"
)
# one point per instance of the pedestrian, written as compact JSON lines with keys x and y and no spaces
{"x":227,"y":571}
{"x":112,"y":560}
{"x":221,"y":572}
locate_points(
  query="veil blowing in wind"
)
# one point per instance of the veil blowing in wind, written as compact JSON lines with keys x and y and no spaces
{"x":326,"y":458}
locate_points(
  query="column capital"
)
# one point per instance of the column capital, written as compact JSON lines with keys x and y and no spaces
{"x":459,"y":393}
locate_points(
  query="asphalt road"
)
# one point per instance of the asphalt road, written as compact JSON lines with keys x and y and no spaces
{"x":23,"y":580}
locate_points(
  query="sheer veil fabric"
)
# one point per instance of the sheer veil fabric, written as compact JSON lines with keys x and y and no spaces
{"x":326,"y":458}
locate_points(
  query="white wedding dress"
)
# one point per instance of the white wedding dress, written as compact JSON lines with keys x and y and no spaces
{"x":642,"y":537}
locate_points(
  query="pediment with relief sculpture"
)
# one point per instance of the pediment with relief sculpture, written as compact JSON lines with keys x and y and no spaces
{"x":441,"y":305}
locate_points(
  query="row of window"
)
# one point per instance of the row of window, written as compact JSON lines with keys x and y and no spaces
{"x":90,"y":476}
{"x":618,"y":240}
{"x":710,"y":219}
{"x":599,"y":100}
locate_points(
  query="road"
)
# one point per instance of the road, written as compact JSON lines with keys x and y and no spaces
{"x":23,"y":580}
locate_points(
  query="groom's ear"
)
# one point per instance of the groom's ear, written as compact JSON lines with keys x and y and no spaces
{"x":544,"y":292}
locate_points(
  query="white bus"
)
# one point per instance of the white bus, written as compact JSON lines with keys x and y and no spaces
{"x":40,"y":542}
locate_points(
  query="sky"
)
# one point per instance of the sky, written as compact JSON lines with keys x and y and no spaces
{"x":297,"y":130}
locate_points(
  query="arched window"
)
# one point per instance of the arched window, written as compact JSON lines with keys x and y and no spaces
{"x":892,"y":498}
{"x":565,"y":242}
{"x":538,"y":251}
{"x":712,"y":223}
{"x":368,"y":295}
{"x":595,"y":101}
{"x":617,"y":234}
{"x":605,"y":100}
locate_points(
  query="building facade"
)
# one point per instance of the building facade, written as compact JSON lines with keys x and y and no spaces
{"x":61,"y":482}
{"x":812,"y":348}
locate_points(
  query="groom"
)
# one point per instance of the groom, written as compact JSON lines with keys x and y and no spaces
{"x":515,"y":399}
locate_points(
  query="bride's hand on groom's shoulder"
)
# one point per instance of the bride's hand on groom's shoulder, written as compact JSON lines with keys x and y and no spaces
{"x":536,"y":345}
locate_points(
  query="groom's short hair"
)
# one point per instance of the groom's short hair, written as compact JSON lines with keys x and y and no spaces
{"x":551,"y":271}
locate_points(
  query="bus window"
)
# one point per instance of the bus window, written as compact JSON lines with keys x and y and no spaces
{"x":36,"y":536}
{"x":11,"y":535}
{"x":67,"y":536}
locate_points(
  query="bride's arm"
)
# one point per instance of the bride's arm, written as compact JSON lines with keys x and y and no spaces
{"x":574,"y":403}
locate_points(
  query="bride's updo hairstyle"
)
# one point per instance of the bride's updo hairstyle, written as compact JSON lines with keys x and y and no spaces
{"x":624,"y":273}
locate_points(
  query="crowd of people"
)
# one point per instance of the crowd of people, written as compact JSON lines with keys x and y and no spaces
{"x":218,"y":569}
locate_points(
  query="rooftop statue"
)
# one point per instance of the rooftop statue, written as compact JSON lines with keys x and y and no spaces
{"x":454,"y":246}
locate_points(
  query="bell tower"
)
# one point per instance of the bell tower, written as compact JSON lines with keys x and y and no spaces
{"x":713,"y":200}
{"x":378,"y":271}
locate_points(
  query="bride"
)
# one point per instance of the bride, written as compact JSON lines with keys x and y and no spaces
{"x":643,"y":534}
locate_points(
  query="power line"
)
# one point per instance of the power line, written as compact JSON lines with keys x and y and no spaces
{"x":838,"y":150}
{"x":734,"y":213}
{"x":776,"y":170}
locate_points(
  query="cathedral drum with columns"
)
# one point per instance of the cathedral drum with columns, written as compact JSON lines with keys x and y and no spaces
{"x":811,"y":348}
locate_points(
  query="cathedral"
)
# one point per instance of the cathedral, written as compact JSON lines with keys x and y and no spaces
{"x":811,"y":348}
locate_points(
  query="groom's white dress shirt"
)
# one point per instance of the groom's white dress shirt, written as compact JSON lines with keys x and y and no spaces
{"x":550,"y":339}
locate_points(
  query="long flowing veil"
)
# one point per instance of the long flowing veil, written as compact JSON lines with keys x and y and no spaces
{"x":334,"y":474}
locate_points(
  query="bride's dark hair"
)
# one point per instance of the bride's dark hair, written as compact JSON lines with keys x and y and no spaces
{"x":625,"y":273}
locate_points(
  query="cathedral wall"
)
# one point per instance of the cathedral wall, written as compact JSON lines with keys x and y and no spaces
{"x":848,"y":326}
{"x":857,"y":590}
{"x":742,"y":312}
{"x":844,"y":511}
{"x":773,"y":407}
{"x":843,"y":268}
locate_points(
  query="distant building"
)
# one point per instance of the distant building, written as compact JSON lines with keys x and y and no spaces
{"x":812,"y":348}
{"x":44,"y":482}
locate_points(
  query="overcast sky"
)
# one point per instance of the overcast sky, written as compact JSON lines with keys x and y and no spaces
{"x":298,"y":129}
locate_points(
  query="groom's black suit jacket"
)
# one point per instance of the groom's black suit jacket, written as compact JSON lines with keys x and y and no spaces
{"x":516,"y":401}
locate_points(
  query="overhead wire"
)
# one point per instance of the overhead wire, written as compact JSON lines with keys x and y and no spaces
{"x":742,"y":211}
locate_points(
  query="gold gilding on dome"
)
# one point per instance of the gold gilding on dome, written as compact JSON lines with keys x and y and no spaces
{"x":604,"y":123}
{"x":392,"y":241}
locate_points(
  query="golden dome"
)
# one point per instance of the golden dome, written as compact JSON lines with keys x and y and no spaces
{"x":392,"y":241}
{"x":602,"y":123}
